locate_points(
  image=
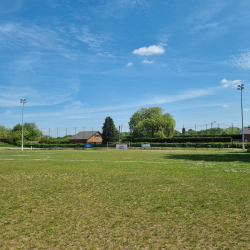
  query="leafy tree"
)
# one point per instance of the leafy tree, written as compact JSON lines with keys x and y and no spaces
{"x":232,"y":130}
{"x":29,"y":126}
{"x":177,"y":133}
{"x":3,"y":133}
{"x":30,"y":133}
{"x":191,"y":132}
{"x":109,"y":131}
{"x":125,"y":136}
{"x":151,"y":122}
{"x":45,"y":139}
{"x":3,"y":129}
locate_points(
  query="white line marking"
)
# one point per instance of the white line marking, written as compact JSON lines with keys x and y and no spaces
{"x":46,"y":159}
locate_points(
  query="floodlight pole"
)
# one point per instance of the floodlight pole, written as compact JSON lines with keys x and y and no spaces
{"x":121,"y":130}
{"x":23,"y":101}
{"x":241,"y":87}
{"x":212,"y":125}
{"x":119,"y":134}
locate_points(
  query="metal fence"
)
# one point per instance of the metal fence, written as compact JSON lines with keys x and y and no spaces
{"x":212,"y":135}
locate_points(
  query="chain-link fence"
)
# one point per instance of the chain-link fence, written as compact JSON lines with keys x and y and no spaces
{"x":212,"y":135}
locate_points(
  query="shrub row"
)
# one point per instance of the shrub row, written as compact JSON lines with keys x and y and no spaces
{"x":183,"y":139}
{"x":153,"y":145}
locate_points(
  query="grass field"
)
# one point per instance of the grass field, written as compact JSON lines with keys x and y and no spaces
{"x":107,"y":199}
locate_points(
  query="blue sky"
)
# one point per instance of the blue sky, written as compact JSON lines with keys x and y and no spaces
{"x":77,"y":62}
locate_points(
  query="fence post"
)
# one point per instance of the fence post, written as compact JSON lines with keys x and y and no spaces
{"x":232,"y":134}
{"x":195,"y":137}
{"x":207,"y":137}
{"x":182,"y":136}
{"x":161,"y":137}
{"x":75,"y":137}
{"x":49,"y":138}
{"x":83,"y":138}
{"x":41,"y":138}
{"x":219,"y":134}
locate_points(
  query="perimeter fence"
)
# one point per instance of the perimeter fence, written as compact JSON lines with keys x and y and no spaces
{"x":212,"y":135}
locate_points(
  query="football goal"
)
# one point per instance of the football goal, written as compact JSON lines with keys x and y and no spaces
{"x":112,"y":144}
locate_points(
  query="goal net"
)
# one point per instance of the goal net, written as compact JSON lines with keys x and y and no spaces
{"x":113,"y":144}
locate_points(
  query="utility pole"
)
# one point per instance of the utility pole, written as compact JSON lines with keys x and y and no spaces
{"x":241,"y":87}
{"x":23,"y":101}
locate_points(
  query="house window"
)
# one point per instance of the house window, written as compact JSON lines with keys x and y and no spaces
{"x":97,"y":136}
{"x":246,"y":140}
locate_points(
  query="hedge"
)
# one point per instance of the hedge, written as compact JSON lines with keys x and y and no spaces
{"x":183,"y":139}
{"x":153,"y":145}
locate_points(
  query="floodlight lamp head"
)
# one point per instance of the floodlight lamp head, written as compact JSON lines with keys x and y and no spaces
{"x":239,"y":89}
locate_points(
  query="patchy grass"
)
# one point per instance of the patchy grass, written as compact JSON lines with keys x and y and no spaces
{"x":103,"y":199}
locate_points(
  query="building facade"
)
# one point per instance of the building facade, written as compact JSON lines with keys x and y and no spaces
{"x":86,"y":137}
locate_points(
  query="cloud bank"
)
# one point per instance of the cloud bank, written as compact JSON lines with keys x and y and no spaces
{"x":228,"y":83}
{"x":148,"y":51}
{"x":242,"y":61}
{"x":147,"y":61}
{"x":129,"y":64}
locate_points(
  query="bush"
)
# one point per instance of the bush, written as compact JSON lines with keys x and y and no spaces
{"x":183,"y":139}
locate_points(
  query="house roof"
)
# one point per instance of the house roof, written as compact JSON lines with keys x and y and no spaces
{"x":85,"y":135}
{"x":246,"y":131}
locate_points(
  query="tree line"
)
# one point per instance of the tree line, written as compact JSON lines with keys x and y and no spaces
{"x":149,"y":122}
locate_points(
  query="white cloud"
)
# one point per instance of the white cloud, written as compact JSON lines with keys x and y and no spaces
{"x":241,"y":61}
{"x":151,"y":50}
{"x":204,"y":26}
{"x":129,"y":64}
{"x":20,"y":35}
{"x":10,"y":95}
{"x":190,"y":94}
{"x":206,"y":12}
{"x":225,"y":106}
{"x":130,"y":2}
{"x":94,"y":41}
{"x":246,"y":109}
{"x":78,"y":110}
{"x":227,"y":83}
{"x":147,"y":61}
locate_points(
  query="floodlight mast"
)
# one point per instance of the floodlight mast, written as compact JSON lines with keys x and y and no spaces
{"x":23,"y":101}
{"x":241,"y":87}
{"x":120,"y":131}
{"x":212,"y":124}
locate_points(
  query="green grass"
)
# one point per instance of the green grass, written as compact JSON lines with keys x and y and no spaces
{"x":107,"y":199}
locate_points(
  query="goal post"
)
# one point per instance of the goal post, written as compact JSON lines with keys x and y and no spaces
{"x":126,"y":142}
{"x":110,"y":143}
{"x":114,"y":143}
